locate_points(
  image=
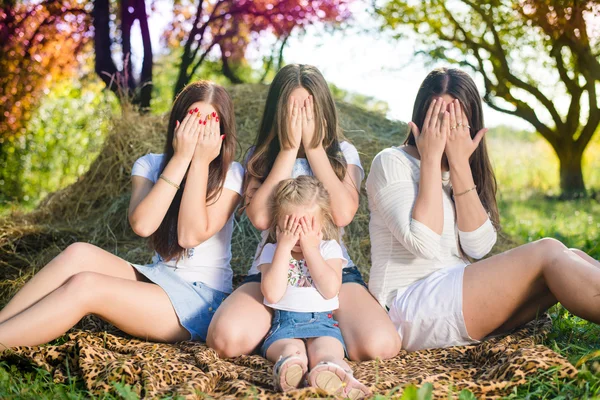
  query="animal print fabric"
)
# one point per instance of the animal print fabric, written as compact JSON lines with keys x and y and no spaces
{"x":102,"y":356}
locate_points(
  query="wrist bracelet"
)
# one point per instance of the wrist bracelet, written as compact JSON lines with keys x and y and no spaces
{"x":170,"y":182}
{"x":466,"y":191}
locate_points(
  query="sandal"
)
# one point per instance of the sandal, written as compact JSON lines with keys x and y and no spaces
{"x":288,"y":373}
{"x":335,"y":380}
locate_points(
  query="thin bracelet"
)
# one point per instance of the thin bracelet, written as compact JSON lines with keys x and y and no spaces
{"x":170,"y":182}
{"x":466,"y":191}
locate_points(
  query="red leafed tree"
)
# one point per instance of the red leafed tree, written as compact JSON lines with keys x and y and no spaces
{"x":231,"y":25}
{"x":39,"y":43}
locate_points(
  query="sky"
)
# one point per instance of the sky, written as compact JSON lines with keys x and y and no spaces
{"x":365,"y":63}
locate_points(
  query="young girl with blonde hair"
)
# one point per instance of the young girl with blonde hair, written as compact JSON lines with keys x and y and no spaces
{"x":301,"y":266}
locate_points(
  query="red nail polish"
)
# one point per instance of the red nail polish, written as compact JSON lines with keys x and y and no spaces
{"x":204,"y":122}
{"x":214,"y":114}
{"x":191,"y":111}
{"x":222,"y":137}
{"x":200,"y":122}
{"x":196,"y":109}
{"x":217,"y":119}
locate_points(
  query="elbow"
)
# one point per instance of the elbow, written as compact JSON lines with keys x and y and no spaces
{"x":259,"y":220}
{"x":329,"y":294}
{"x":141,"y":229}
{"x":271,"y":296}
{"x":187,"y":241}
{"x":343,"y":218}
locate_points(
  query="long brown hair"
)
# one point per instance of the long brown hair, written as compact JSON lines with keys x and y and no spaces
{"x":164,"y":240}
{"x":459,"y":85}
{"x":304,"y":190}
{"x":273,"y":130}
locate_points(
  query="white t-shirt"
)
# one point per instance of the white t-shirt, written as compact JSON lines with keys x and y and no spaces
{"x":209,"y":262}
{"x":301,"y":294}
{"x":302,"y":167}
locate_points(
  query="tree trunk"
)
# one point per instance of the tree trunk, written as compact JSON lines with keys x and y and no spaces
{"x":571,"y":173}
{"x":228,"y":71}
{"x":182,"y":77}
{"x":146,"y":74}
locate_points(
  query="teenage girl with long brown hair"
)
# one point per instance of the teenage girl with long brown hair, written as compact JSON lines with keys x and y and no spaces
{"x":184,"y":201}
{"x":299,"y":135}
{"x":433,"y":208}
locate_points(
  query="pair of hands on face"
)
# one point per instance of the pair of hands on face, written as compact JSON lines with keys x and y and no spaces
{"x":446,"y":131}
{"x":307,"y":230}
{"x":198,"y":137}
{"x":301,"y":121}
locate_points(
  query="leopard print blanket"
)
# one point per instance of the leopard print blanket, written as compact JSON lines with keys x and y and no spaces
{"x":192,"y":370}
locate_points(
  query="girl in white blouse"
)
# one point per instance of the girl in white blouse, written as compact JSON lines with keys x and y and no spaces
{"x":433,"y":206}
{"x":184,"y":201}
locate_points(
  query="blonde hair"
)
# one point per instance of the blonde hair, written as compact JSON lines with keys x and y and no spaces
{"x":304,"y":190}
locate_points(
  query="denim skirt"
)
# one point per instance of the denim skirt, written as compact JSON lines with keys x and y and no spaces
{"x":194,"y":302}
{"x":301,"y":325}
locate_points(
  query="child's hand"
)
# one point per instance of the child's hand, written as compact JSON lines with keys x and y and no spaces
{"x":310,"y":234}
{"x":289,"y":236}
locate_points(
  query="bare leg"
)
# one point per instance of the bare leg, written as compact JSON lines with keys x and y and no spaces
{"x":336,"y":377}
{"x":586,"y":257}
{"x":138,"y":308}
{"x":365,"y":341}
{"x":240,"y":323}
{"x":326,"y":348}
{"x":78,"y":257}
{"x":287,"y":347}
{"x":509,"y":289}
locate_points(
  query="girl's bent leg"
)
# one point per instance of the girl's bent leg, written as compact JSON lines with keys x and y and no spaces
{"x":240,"y":323}
{"x":78,"y":257}
{"x":326,"y":349}
{"x":141,"y":309}
{"x":509,"y":289}
{"x":291,"y":363}
{"x":367,"y":329}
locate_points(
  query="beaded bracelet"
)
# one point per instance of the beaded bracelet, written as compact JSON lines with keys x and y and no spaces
{"x":466,"y":191}
{"x":170,"y":182}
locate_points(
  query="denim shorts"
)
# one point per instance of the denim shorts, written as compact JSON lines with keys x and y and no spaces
{"x":349,"y":275}
{"x":194,"y":302}
{"x":301,"y":325}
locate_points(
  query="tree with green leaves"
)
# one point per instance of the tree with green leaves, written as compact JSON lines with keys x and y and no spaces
{"x":532,"y":55}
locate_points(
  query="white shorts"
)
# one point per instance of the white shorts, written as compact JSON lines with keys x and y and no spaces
{"x":428,"y":314}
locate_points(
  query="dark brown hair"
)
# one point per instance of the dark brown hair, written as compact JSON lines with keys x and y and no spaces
{"x":164,"y":240}
{"x":460,"y":85}
{"x":273,"y":131}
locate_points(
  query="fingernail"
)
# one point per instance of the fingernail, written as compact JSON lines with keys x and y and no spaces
{"x":205,"y":122}
{"x":217,"y":119}
{"x":191,"y":111}
{"x":196,"y":109}
{"x":200,"y":122}
{"x":214,"y":114}
{"x":222,"y":137}
{"x":176,"y":124}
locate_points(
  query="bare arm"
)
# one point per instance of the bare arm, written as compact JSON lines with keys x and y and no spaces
{"x":428,"y":208}
{"x":476,"y":232}
{"x":274,"y":279}
{"x":257,"y":206}
{"x":343,"y":193}
{"x":198,"y":221}
{"x":150,"y":202}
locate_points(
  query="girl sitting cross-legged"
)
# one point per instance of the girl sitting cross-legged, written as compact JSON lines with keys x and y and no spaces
{"x":301,"y":267}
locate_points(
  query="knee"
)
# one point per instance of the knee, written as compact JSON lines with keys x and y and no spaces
{"x":82,"y":288}
{"x":551,"y":250}
{"x":376,"y":345}
{"x":71,"y":258}
{"x":228,"y":339}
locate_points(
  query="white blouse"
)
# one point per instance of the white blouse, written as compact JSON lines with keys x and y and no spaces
{"x":403,"y":250}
